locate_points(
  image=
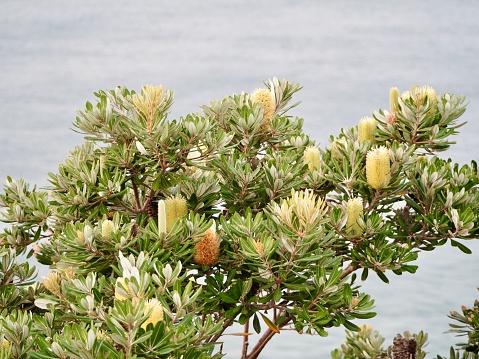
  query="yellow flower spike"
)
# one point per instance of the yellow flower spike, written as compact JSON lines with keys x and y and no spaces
{"x":120,"y":283}
{"x":161,"y":216}
{"x":354,"y":210}
{"x":312,"y":158}
{"x":378,"y":167}
{"x":52,"y":283}
{"x":266,"y":98}
{"x":393,"y":99}
{"x":5,"y":344}
{"x":207,"y":250}
{"x":367,"y":129}
{"x":154,"y":307}
{"x":107,"y":229}
{"x":175,"y":207}
{"x":101,"y":335}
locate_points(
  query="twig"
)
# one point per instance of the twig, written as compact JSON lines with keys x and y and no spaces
{"x":245,"y":340}
{"x":267,"y":336}
{"x":226,"y":324}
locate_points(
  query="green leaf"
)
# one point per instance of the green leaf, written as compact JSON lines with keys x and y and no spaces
{"x":351,"y":326}
{"x":382,"y":276}
{"x":256,"y":324}
{"x":461,"y":246}
{"x":277,"y":294}
{"x":364,"y":274}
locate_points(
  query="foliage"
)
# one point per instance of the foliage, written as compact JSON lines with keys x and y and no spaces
{"x":467,"y":325}
{"x":161,"y":234}
{"x":368,"y":344}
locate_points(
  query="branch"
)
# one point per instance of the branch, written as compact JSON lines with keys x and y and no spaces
{"x":267,"y":336}
{"x":245,"y":340}
{"x":226,"y":324}
{"x":349,"y":269}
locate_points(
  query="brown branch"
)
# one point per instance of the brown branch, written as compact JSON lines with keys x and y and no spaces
{"x":137,"y":195}
{"x":349,"y":269}
{"x":267,"y":336}
{"x":226,"y":324}
{"x":245,"y":340}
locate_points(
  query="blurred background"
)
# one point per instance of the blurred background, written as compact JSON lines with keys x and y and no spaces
{"x":346,"y":54}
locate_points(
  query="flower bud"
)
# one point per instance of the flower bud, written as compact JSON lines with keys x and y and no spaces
{"x":207,"y":250}
{"x":161,"y":216}
{"x":175,"y":208}
{"x":141,"y":148}
{"x":419,"y":94}
{"x":393,"y":100}
{"x":312,"y":158}
{"x":367,"y":129}
{"x":154,"y":307}
{"x":354,"y":210}
{"x":378,"y":167}
{"x":107,"y":229}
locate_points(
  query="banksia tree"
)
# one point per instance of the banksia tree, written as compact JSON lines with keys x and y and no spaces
{"x":161,"y":234}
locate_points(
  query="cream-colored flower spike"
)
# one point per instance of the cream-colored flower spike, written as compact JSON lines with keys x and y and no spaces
{"x":5,"y":344}
{"x":312,"y":158}
{"x":161,"y":216}
{"x":266,"y":98}
{"x":393,"y":99}
{"x":120,"y":286}
{"x":367,"y":129}
{"x":175,"y":207}
{"x":354,"y":211}
{"x":156,"y":314}
{"x":107,"y":229}
{"x":378,"y":167}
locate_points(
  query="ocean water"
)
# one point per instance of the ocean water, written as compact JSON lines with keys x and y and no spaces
{"x":346,"y":55}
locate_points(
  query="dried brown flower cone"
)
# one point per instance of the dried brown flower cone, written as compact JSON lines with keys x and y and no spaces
{"x":207,"y":250}
{"x":152,"y":208}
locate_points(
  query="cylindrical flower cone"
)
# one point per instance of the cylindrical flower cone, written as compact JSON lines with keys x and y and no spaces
{"x":378,"y":167}
{"x":156,"y":314}
{"x":265,"y":98}
{"x":207,"y":250}
{"x":367,"y":129}
{"x":175,"y":208}
{"x":161,"y":216}
{"x":354,"y":211}
{"x":394,"y":100}
{"x":120,"y":283}
{"x":312,"y":158}
{"x":107,"y":229}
